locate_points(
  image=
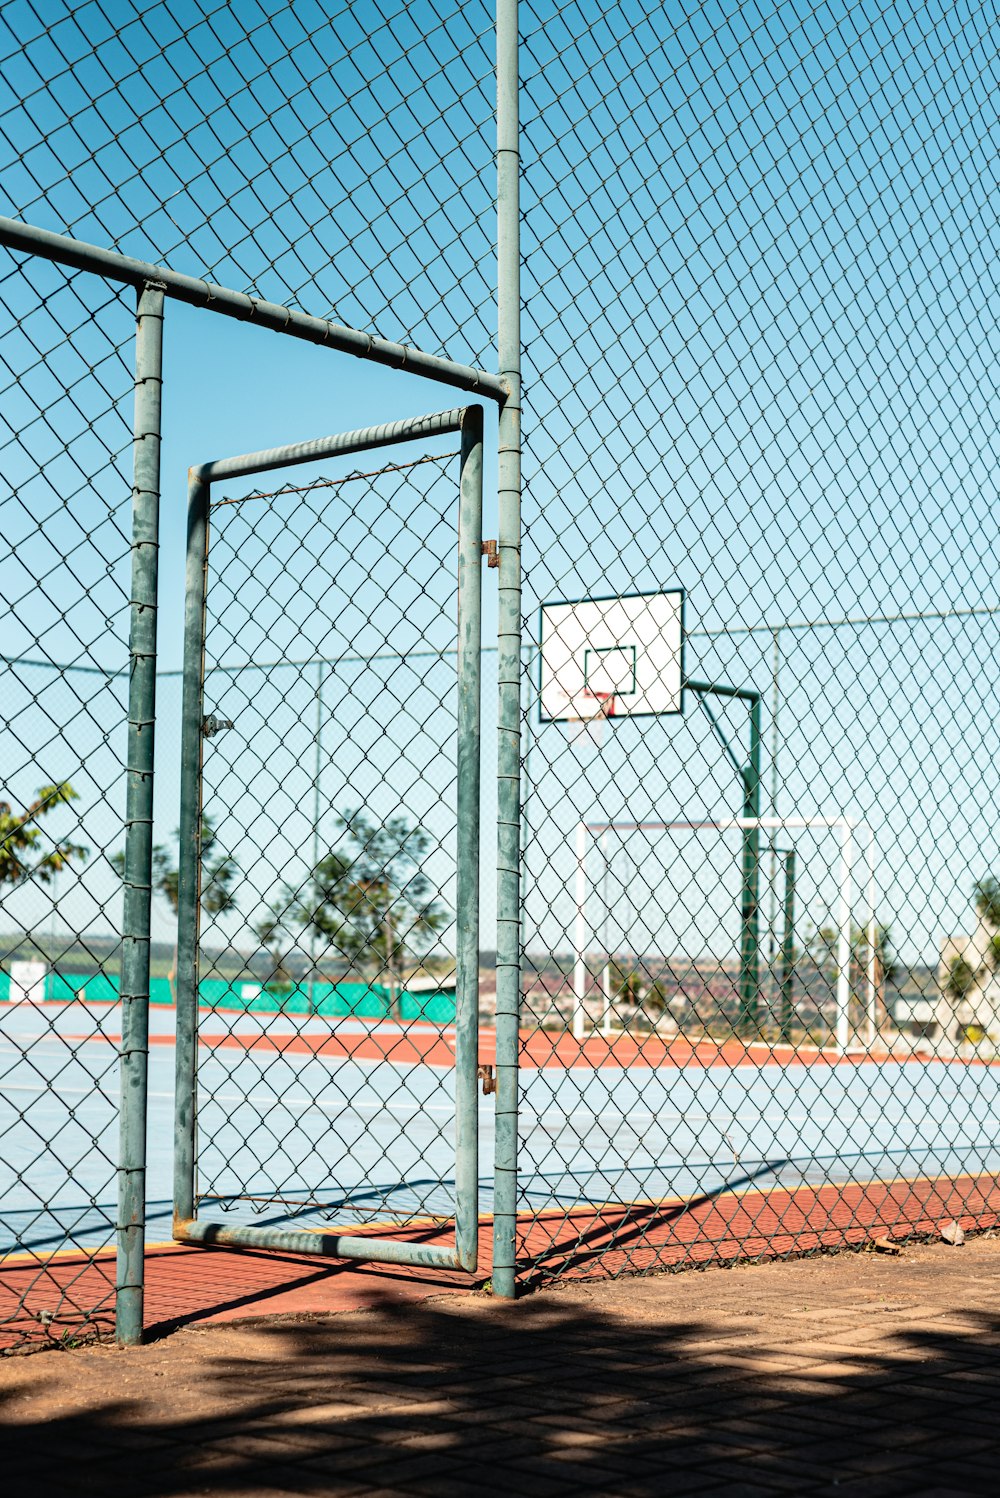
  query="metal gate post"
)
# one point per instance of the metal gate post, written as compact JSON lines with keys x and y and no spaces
{"x":470,"y":589}
{"x":129,"y":1281}
{"x":189,"y":859}
{"x":509,"y":652}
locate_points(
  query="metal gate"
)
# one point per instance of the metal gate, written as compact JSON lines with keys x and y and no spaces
{"x":330,"y":824}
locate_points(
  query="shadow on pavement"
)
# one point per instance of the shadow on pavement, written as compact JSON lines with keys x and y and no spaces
{"x":554,"y":1395}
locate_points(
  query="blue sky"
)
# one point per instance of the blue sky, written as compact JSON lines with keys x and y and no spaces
{"x":760,"y":332}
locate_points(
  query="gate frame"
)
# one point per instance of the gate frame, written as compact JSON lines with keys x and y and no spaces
{"x":187,"y":1228}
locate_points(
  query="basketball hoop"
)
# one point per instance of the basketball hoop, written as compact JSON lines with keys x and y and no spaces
{"x":605,"y":702}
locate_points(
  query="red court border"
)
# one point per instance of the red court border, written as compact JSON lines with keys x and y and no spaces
{"x":539,"y":1049}
{"x":194,"y":1286}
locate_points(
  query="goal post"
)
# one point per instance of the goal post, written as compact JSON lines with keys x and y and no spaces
{"x":847,"y":830}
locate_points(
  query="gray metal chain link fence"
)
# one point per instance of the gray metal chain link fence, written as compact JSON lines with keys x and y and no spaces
{"x":758,"y":316}
{"x":65,"y":348}
{"x":747,"y":971}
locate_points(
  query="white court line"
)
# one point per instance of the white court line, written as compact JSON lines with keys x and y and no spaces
{"x":414,"y":1110}
{"x":560,"y":1116}
{"x":25,"y":1044}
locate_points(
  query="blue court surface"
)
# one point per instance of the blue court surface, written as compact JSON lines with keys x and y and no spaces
{"x":319,"y":1140}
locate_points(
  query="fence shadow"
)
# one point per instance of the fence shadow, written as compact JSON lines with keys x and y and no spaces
{"x":553,"y":1395}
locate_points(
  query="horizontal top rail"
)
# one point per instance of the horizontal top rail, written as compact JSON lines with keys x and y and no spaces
{"x":410,"y":429}
{"x":724,"y":824}
{"x":60,"y":248}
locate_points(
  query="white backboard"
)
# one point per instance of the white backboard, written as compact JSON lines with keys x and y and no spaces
{"x":612,"y":657}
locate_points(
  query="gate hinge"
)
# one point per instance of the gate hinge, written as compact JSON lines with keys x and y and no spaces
{"x":488,"y":1079}
{"x":211,"y":725}
{"x":489,"y":550}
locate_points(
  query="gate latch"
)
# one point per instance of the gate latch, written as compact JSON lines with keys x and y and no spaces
{"x":488,"y":1079}
{"x":211,"y":725}
{"x":489,"y":550}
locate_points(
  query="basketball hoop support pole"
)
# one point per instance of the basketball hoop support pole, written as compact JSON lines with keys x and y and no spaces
{"x":748,"y":1023}
{"x":788,"y":950}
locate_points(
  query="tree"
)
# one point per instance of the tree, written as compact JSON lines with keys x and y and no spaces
{"x":370,"y":899}
{"x":272,"y":933}
{"x":217,"y":873}
{"x":626,"y":985}
{"x":22,"y":841}
{"x":885,"y":965}
{"x":821,"y":945}
{"x":986,"y":893}
{"x":961,"y":979}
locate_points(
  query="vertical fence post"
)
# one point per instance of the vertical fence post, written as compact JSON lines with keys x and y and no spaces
{"x":189,"y":852}
{"x":788,"y":949}
{"x":843,"y":1026}
{"x":469,"y":672}
{"x":311,"y":990}
{"x":509,"y":651}
{"x":874,"y":957}
{"x":580,"y":935}
{"x":139,"y":817}
{"x":749,"y":998}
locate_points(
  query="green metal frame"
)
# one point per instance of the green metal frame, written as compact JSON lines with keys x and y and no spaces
{"x":188,"y":1228}
{"x":154,"y":283}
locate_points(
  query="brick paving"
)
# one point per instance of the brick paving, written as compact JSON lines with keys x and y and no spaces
{"x":872,"y":1374}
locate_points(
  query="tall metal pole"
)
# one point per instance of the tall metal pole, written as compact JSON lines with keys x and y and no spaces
{"x":509,"y":651}
{"x":580,"y":934}
{"x":748,"y":1017}
{"x":129,"y":1282}
{"x":606,"y":921}
{"x":874,"y":956}
{"x":469,"y":823}
{"x":772,"y":922}
{"x":315,"y":837}
{"x":749,"y":982}
{"x":788,"y":949}
{"x":843,"y":1026}
{"x":189,"y":851}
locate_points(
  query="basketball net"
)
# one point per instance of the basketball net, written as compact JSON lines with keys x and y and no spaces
{"x":592,"y":727}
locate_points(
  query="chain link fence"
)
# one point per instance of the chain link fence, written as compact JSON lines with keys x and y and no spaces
{"x":758,"y":322}
{"x":65,"y":355}
{"x":341,"y":165}
{"x":747,"y":993}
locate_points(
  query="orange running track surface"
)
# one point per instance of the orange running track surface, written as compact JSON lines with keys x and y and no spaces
{"x":186,"y":1286}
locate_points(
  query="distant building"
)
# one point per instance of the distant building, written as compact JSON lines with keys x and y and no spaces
{"x":969,"y":985}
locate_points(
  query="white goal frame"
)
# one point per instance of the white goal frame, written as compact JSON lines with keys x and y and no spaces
{"x":848,"y":829}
